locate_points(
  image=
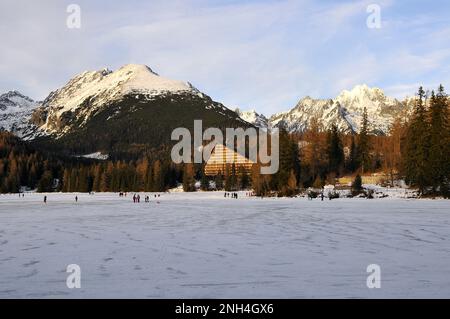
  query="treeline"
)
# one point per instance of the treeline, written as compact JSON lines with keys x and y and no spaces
{"x":23,"y":166}
{"x":417,"y":149}
{"x":318,"y":157}
{"x":20,"y":165}
{"x":283,"y":183}
{"x":426,"y":144}
{"x":108,"y":176}
{"x":329,"y":154}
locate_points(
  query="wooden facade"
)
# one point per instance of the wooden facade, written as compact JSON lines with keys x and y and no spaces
{"x":217,"y":163}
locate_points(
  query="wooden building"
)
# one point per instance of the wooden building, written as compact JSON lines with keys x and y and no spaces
{"x":217,"y":163}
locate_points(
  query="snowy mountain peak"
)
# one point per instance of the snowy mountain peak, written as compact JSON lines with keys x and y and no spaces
{"x":360,"y":89}
{"x":15,"y":99}
{"x":251,"y":116}
{"x":129,"y":78}
{"x":91,"y":91}
{"x":345,"y":111}
{"x":306,"y":99}
{"x":106,"y":71}
{"x":138,"y":77}
{"x":364,"y":96}
{"x":15,"y":111}
{"x":12,"y":93}
{"x":137,"y":68}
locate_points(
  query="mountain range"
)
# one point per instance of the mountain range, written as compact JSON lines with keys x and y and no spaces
{"x":133,"y":110}
{"x":345,"y":111}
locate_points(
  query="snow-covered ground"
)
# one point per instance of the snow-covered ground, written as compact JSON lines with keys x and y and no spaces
{"x":203,"y":245}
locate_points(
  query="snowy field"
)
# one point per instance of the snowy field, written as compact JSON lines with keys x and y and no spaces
{"x":202,"y":245}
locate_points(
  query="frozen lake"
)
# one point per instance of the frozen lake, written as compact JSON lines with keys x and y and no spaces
{"x":202,"y":245}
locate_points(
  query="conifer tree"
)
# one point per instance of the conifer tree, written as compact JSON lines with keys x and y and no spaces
{"x":46,"y":182}
{"x":97,"y":178}
{"x":417,"y":146}
{"x":352,"y":163}
{"x":157,"y":176}
{"x":32,"y":175}
{"x":357,"y":184}
{"x":318,"y":182}
{"x":439,"y":155}
{"x":364,"y":147}
{"x":66,"y":180}
{"x":228,"y":178}
{"x":289,"y":159}
{"x":149,"y":178}
{"x":292,"y":184}
{"x":243,"y":178}
{"x":83,"y":182}
{"x":204,"y":181}
{"x":105,"y":182}
{"x":219,"y":181}
{"x":233,"y":179}
{"x":188,"y":178}
{"x":392,"y":149}
{"x":259,"y":183}
{"x":73,"y":184}
{"x":335,"y":151}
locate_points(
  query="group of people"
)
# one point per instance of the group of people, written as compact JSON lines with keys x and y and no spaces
{"x":137,"y":198}
{"x":310,"y":196}
{"x":235,"y":195}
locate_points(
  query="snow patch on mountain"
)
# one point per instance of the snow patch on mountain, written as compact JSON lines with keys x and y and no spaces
{"x":15,"y":112}
{"x":90,"y":91}
{"x":96,"y":155}
{"x":252,"y":117}
{"x":381,"y":110}
{"x":299,"y":118}
{"x":345,"y":111}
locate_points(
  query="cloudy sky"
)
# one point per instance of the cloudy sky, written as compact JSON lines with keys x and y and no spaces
{"x":260,"y":54}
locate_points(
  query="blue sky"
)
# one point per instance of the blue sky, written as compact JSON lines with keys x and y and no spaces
{"x":264,"y":55}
